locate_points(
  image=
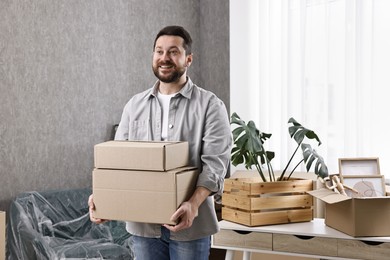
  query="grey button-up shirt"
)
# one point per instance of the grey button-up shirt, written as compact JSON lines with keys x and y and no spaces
{"x":199,"y":117}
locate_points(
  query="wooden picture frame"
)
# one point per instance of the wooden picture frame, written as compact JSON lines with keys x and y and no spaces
{"x":365,"y":185}
{"x":359,"y":166}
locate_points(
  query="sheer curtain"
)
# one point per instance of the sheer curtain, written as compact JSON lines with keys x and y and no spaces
{"x":323,"y":62}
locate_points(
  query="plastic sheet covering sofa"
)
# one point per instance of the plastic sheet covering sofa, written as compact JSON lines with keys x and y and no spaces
{"x":55,"y":225}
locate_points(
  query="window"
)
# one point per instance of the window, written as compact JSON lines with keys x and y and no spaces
{"x":323,"y":62}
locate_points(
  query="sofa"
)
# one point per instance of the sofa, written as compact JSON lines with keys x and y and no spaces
{"x":55,"y":225}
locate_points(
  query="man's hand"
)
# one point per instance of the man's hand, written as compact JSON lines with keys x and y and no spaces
{"x":184,"y":215}
{"x":91,"y":209}
{"x":188,"y":210}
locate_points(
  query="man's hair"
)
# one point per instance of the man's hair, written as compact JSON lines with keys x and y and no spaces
{"x":175,"y":30}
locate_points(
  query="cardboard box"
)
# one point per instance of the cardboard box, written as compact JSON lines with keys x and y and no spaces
{"x":141,"y":196}
{"x":2,"y":235}
{"x":141,"y":155}
{"x":357,"y":217}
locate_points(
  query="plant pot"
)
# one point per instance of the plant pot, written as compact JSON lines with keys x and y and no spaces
{"x":252,"y":202}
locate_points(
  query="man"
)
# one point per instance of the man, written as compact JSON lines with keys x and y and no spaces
{"x":175,"y":109}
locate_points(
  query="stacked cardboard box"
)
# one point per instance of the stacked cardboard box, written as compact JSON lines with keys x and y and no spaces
{"x":141,"y":181}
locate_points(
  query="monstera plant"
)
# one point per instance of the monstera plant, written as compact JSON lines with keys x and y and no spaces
{"x":248,"y":149}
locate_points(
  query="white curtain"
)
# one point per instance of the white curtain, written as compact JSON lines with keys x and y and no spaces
{"x":323,"y":62}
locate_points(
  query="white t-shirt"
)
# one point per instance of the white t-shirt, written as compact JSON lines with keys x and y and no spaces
{"x":165,"y":101}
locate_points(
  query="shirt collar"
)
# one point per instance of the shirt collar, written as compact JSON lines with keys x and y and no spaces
{"x":185,"y":91}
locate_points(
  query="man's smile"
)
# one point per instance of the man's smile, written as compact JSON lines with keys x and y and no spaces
{"x":166,"y":66}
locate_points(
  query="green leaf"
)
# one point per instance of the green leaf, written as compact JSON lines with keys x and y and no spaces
{"x":299,"y":132}
{"x":237,"y":132}
{"x":310,"y":156}
{"x":248,"y":144}
{"x":270,"y":155}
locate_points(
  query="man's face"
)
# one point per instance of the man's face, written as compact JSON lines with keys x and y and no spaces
{"x":169,"y":59}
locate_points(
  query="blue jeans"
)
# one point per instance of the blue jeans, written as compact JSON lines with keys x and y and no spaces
{"x":164,"y":248}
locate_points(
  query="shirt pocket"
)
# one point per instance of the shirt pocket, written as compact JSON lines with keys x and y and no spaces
{"x":139,"y":130}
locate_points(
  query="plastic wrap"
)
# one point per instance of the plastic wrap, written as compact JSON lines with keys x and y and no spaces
{"x":55,"y":225}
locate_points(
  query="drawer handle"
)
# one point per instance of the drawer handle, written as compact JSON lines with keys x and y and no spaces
{"x":303,"y":237}
{"x":372,"y":243}
{"x":241,"y":232}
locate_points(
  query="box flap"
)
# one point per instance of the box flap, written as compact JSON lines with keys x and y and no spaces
{"x":328,"y":196}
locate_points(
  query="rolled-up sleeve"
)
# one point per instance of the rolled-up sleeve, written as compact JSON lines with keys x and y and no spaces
{"x":216,"y":147}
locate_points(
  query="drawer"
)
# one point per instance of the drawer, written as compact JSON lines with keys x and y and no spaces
{"x":243,"y":239}
{"x":363,"y":249}
{"x":305,"y":244}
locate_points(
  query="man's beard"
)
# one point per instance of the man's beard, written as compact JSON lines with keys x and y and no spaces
{"x":171,"y":77}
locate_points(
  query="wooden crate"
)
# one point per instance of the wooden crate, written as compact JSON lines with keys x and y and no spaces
{"x":251,"y":202}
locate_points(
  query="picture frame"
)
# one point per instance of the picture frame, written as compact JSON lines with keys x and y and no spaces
{"x":359,"y":166}
{"x":365,"y":185}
